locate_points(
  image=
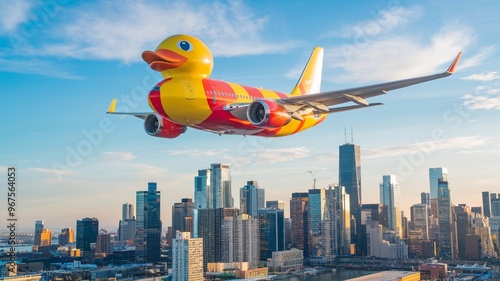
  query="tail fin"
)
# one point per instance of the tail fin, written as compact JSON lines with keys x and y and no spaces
{"x":310,"y":80}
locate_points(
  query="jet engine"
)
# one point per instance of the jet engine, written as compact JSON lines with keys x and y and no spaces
{"x":158,"y":126}
{"x":268,"y":113}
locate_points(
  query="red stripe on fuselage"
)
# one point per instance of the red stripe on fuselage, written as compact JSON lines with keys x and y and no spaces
{"x":155,"y":99}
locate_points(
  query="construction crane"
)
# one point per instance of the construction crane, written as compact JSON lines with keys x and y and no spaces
{"x":314,"y":178}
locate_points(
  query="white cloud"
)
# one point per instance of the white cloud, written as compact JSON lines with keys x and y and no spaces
{"x":36,"y":66}
{"x":247,"y":156}
{"x":484,"y":97}
{"x":386,"y":21}
{"x":427,"y":147}
{"x":14,"y":13}
{"x":118,"y":156}
{"x":53,"y":172}
{"x":399,"y":56}
{"x":107,"y":30}
{"x":483,"y":76}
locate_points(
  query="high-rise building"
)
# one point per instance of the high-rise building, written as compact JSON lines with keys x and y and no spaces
{"x":271,"y":232}
{"x":252,"y":198}
{"x":38,"y":227}
{"x":210,"y":229}
{"x":182,"y":216}
{"x":67,"y":236}
{"x":336,"y":224}
{"x":317,"y":203}
{"x":486,"y":204}
{"x":299,"y":213}
{"x":202,"y":190}
{"x":495,"y":207}
{"x":87,"y":230}
{"x":275,"y":204}
{"x":434,"y":175}
{"x":447,"y":225}
{"x":425,"y":198}
{"x":240,"y":240}
{"x":187,"y":258}
{"x":103,"y":245}
{"x":390,"y":197}
{"x":464,"y":227}
{"x":148,"y":225}
{"x":45,"y":237}
{"x":420,"y":219}
{"x":350,"y":178}
{"x":220,"y":186}
{"x":126,"y":228}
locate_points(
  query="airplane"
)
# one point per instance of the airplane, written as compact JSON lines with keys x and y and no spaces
{"x":187,"y":97}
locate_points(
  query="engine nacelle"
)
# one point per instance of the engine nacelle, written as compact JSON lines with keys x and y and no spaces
{"x":158,"y":126}
{"x":268,"y":113}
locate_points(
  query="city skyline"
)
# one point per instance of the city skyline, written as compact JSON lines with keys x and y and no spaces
{"x":56,"y":87}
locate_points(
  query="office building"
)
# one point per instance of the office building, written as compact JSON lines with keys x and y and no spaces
{"x":495,"y":207}
{"x":87,"y":230}
{"x":103,"y":245}
{"x":425,"y":198}
{"x":336,"y":224}
{"x":67,"y":236}
{"x":240,"y":240}
{"x":275,"y":204}
{"x":420,"y":219}
{"x":182,"y":216}
{"x":317,"y":203}
{"x":252,"y":198}
{"x":202,"y":190}
{"x":271,"y":232}
{"x":390,"y":197}
{"x":45,"y":237}
{"x":220,"y":186}
{"x":210,"y":229}
{"x":447,"y":225}
{"x":435,"y":174}
{"x":350,"y":178}
{"x":187,"y":258}
{"x":486,"y":203}
{"x":299,"y":214}
{"x":38,"y":227}
{"x":126,"y":228}
{"x":148,"y":225}
{"x":463,"y":215}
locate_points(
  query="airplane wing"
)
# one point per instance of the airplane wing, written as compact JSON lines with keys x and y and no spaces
{"x":111,"y":110}
{"x":322,"y":101}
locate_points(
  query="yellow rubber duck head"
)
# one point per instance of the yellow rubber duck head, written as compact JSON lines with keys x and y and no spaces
{"x":180,"y":55}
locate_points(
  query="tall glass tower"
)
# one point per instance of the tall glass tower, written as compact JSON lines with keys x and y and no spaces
{"x":434,"y":175}
{"x":390,"y":197}
{"x":220,"y":186}
{"x":148,"y":225}
{"x":350,"y":178}
{"x":252,"y":199}
{"x":202,"y":190}
{"x":447,"y":224}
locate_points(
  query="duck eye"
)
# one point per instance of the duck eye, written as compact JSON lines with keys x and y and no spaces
{"x":185,"y":45}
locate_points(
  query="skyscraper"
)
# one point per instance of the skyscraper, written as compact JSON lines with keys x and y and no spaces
{"x":420,"y":219}
{"x":299,"y":213}
{"x":271,"y":232}
{"x":67,"y":236}
{"x":390,"y":197}
{"x":210,"y":229}
{"x":464,"y":227}
{"x":87,"y":230}
{"x":275,"y":204}
{"x":240,"y":240}
{"x":38,"y":227}
{"x":103,"y":245}
{"x":434,"y":175}
{"x":425,"y":198}
{"x":350,"y":178}
{"x":336,"y":224}
{"x":317,"y":203}
{"x":126,"y":228}
{"x":220,"y":186}
{"x":447,"y":225}
{"x":187,"y":258}
{"x":202,"y":190}
{"x":148,"y":225}
{"x":252,"y":198}
{"x":182,"y":216}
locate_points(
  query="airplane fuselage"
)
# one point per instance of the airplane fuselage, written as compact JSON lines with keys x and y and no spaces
{"x":205,"y":104}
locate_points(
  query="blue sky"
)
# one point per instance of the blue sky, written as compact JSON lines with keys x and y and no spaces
{"x":62,"y":62}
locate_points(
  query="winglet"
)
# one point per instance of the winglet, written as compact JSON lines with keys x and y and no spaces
{"x":451,"y":69}
{"x":112,"y":106}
